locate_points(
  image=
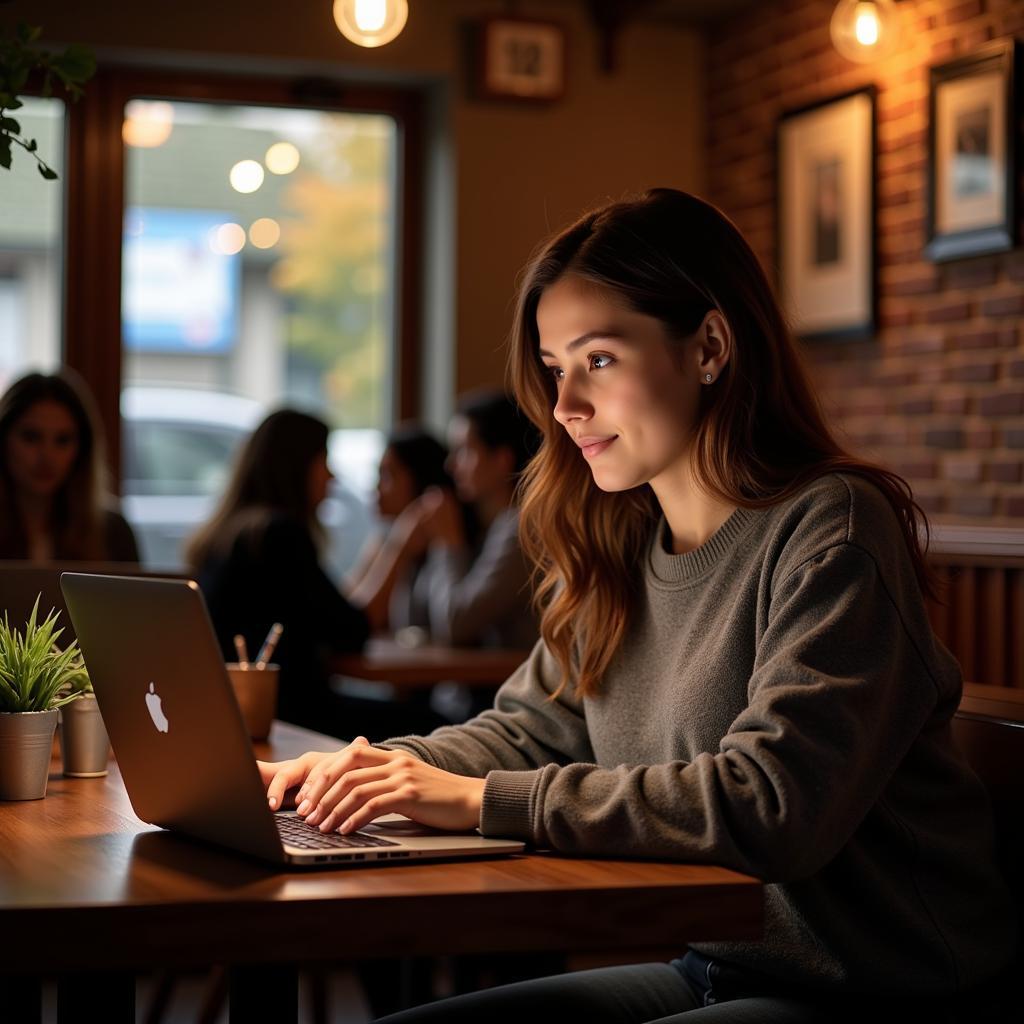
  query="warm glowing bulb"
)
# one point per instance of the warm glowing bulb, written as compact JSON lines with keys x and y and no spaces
{"x":227,"y":239}
{"x":147,"y":124}
{"x":370,"y":22}
{"x":246,"y":176}
{"x":281,"y":158}
{"x":371,"y":15}
{"x":866,"y":28}
{"x":264,"y":233}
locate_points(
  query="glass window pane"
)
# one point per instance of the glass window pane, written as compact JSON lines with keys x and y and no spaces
{"x":258,"y":270}
{"x":31,"y":242}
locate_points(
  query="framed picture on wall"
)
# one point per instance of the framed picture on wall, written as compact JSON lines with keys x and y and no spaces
{"x":973,"y":153}
{"x":825,"y":216}
{"x":521,"y":58}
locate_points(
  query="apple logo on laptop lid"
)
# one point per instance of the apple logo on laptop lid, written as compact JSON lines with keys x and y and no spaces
{"x":156,"y":711}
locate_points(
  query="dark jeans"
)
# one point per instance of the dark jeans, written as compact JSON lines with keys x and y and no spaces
{"x":689,"y":990}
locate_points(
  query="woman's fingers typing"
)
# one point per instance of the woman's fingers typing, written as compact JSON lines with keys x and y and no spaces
{"x":280,"y":776}
{"x":352,"y":786}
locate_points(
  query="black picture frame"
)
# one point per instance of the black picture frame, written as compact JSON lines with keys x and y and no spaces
{"x":521,"y":59}
{"x":973,"y":153}
{"x":825,"y":157}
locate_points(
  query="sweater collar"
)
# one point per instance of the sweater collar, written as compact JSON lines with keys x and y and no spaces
{"x":670,"y":568}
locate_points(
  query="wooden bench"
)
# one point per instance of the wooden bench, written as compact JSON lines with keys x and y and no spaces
{"x":980,"y":614}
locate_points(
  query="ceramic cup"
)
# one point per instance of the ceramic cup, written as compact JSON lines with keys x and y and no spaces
{"x":256,"y":693}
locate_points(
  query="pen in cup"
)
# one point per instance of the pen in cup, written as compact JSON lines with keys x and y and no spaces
{"x":268,"y":645}
{"x":242,"y":651}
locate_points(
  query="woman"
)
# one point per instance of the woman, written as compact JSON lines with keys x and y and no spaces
{"x":257,"y":562}
{"x":412,"y":463}
{"x":736,"y":665}
{"x":472,"y":589}
{"x":54,"y":505}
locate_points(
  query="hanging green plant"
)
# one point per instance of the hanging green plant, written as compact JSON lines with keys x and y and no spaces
{"x":19,"y":59}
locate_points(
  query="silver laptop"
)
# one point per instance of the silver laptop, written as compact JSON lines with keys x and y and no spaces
{"x":182,"y":748}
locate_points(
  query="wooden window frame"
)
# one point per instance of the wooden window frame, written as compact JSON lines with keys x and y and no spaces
{"x":94,"y":211}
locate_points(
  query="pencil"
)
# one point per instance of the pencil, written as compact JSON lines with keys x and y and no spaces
{"x":241,"y":651}
{"x":268,"y":645}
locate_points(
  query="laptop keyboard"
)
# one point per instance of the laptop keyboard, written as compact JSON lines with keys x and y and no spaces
{"x":296,"y":832}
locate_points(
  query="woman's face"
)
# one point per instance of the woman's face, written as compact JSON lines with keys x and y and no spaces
{"x":627,"y":394}
{"x":480,"y":473}
{"x":320,"y":477}
{"x":41,"y":449}
{"x":396,"y":487}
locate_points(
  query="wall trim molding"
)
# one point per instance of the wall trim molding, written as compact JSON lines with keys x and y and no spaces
{"x":959,"y":539}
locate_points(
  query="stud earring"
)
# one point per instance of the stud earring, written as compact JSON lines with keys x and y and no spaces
{"x":708,"y":378}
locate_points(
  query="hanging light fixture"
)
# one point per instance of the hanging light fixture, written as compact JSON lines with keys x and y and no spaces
{"x":865,"y":30}
{"x":370,"y":22}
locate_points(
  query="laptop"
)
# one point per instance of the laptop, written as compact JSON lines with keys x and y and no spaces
{"x":183,"y":750}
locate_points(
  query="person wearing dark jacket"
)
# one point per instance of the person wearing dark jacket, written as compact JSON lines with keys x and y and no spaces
{"x":257,"y":562}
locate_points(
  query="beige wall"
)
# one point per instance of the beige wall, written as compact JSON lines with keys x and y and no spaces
{"x":518,"y":171}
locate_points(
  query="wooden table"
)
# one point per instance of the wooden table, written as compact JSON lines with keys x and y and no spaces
{"x":86,"y":887}
{"x":385,"y":661}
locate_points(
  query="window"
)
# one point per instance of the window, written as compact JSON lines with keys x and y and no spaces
{"x":31,"y":244}
{"x":319,"y":308}
{"x":258,"y":269}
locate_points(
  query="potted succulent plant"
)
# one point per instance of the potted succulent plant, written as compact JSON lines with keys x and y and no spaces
{"x":84,"y":744}
{"x":34,"y":677}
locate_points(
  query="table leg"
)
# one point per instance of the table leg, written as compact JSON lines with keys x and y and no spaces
{"x":108,"y":996}
{"x":263,"y":992}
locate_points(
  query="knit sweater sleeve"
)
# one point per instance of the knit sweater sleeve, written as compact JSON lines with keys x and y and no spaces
{"x":838,"y":693}
{"x":531,"y":724}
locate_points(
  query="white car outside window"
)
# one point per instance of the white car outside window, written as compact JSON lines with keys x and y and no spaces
{"x":178,"y":448}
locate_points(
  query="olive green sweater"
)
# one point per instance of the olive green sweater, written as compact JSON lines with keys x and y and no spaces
{"x":781,"y":706}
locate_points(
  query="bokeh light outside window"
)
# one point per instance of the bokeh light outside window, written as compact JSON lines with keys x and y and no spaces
{"x":257,"y":271}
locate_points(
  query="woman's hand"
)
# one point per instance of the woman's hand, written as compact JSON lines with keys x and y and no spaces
{"x":355,"y":785}
{"x":281,"y":776}
{"x":407,"y":536}
{"x":442,"y":517}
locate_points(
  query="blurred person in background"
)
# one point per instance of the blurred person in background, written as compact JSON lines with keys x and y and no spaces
{"x":54,"y":501}
{"x":472,"y":588}
{"x":384,"y":579}
{"x":258,"y":561}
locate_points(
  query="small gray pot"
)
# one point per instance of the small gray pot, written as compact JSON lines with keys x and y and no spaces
{"x":26,"y":742}
{"x":84,"y":745}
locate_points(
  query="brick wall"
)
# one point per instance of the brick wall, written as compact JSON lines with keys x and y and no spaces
{"x":938,"y":393}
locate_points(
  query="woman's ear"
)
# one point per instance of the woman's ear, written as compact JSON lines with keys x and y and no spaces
{"x":714,"y":346}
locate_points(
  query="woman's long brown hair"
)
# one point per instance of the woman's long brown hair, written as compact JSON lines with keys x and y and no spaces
{"x":270,"y":477}
{"x":80,"y":502}
{"x":760,"y":437}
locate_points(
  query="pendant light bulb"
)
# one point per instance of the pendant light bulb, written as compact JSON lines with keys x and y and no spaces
{"x":370,"y":22}
{"x":865,"y":30}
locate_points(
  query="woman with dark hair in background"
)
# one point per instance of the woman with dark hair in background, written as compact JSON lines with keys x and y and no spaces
{"x":473,"y":589}
{"x":477,"y":590}
{"x":383,"y":581}
{"x":736,"y":664}
{"x":54,"y":504}
{"x":257,"y":561}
